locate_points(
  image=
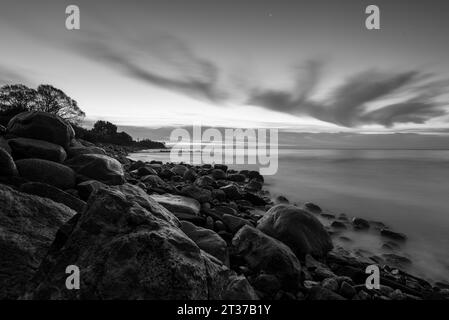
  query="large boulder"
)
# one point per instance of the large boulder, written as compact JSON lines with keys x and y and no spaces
{"x":23,"y":148}
{"x":74,"y":151}
{"x":28,"y":225}
{"x":264,"y":253}
{"x":297,"y":228}
{"x":197,"y":193}
{"x":207,"y":240}
{"x":129,"y":247}
{"x":98,"y":167}
{"x":7,"y":165}
{"x":49,"y":172}
{"x":177,"y":204}
{"x":47,"y":191}
{"x":43,"y":126}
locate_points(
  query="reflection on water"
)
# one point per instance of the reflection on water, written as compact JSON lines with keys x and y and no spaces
{"x":405,"y":189}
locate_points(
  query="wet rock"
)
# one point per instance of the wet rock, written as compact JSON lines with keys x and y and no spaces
{"x":24,"y":148}
{"x":264,"y":253}
{"x":98,"y":167}
{"x":207,"y":240}
{"x":255,"y":175}
{"x":330,"y":284}
{"x":76,"y":151}
{"x":320,"y":293}
{"x":86,"y":188}
{"x":225,"y":210}
{"x":166,"y":174}
{"x":7,"y":166}
{"x":312,"y":207}
{"x":393,"y":235}
{"x":396,"y":260}
{"x":49,"y":172}
{"x":267,"y":283}
{"x":53,"y":193}
{"x":177,"y":204}
{"x":297,"y":228}
{"x":190,"y":175}
{"x":129,"y":247}
{"x":179,"y":170}
{"x":42,"y":126}
{"x":281,"y":200}
{"x":222,"y":167}
{"x":234,"y":223}
{"x":218,"y":174}
{"x":338,"y":225}
{"x":236,"y":177}
{"x":360,"y":223}
{"x":231,"y":191}
{"x":346,"y":290}
{"x":254,"y":199}
{"x":197,"y":193}
{"x":205,"y":181}
{"x":146,"y":171}
{"x":390,"y":246}
{"x":254,"y":186}
{"x":29,"y":224}
{"x":239,"y":289}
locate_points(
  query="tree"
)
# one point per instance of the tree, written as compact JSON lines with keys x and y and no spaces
{"x":15,"y":99}
{"x":104,"y":128}
{"x":53,"y":100}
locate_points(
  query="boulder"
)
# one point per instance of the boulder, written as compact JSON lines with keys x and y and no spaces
{"x":43,"y":126}
{"x":205,"y":181}
{"x":7,"y":166}
{"x":254,"y":185}
{"x":98,"y":167}
{"x":53,"y":193}
{"x":28,"y":225}
{"x":234,"y":223}
{"x":5,"y":145}
{"x":218,"y":174}
{"x":393,"y":235}
{"x":49,"y":172}
{"x":297,"y":228}
{"x":179,"y":170}
{"x":177,"y":204}
{"x":24,"y":148}
{"x":232,"y":192}
{"x":239,"y":289}
{"x":236,"y":177}
{"x":207,"y":240}
{"x":86,"y":188}
{"x":197,"y":193}
{"x":76,"y":151}
{"x":129,"y":247}
{"x":264,"y":253}
{"x":360,"y":223}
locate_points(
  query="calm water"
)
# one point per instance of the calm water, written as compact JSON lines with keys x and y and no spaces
{"x":406,"y":189}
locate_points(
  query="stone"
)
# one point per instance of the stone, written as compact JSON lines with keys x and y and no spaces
{"x":338,"y":225}
{"x":177,"y":204}
{"x":53,"y":193}
{"x":28,"y":226}
{"x":49,"y":172}
{"x":190,"y":175}
{"x":222,"y":167}
{"x":231,"y":191}
{"x":86,"y":188}
{"x":330,"y":284}
{"x":360,"y":223}
{"x":267,"y":283}
{"x":312,"y":207}
{"x":254,"y":199}
{"x":234,"y":223}
{"x":205,"y":181}
{"x":179,"y":170}
{"x":219,"y":195}
{"x":7,"y":166}
{"x":281,"y":200}
{"x":239,"y":289}
{"x":320,"y":293}
{"x":98,"y":167}
{"x":218,"y":174}
{"x":24,"y":148}
{"x":76,"y":151}
{"x":393,"y":235}
{"x":236,"y":177}
{"x":42,"y":126}
{"x":297,"y":228}
{"x":347,"y":290}
{"x":129,"y":247}
{"x":263,"y":253}
{"x":146,"y":171}
{"x":254,"y":185}
{"x":207,"y":240}
{"x":197,"y":193}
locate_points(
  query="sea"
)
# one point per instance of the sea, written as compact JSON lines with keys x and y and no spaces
{"x":407,"y":190}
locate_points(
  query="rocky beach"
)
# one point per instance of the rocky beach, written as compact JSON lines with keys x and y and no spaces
{"x":153,"y":230}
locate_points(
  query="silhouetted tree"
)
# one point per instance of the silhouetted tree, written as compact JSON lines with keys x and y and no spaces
{"x":104,"y":128}
{"x":53,"y":100}
{"x":15,"y":99}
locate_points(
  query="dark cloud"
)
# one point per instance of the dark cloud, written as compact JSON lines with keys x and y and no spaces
{"x":194,"y":76}
{"x":348,"y":104}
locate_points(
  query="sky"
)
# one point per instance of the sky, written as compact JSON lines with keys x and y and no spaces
{"x":298,"y":65}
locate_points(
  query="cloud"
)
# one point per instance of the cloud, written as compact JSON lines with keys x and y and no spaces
{"x":8,"y":76}
{"x":349,"y":104}
{"x":195,"y":76}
